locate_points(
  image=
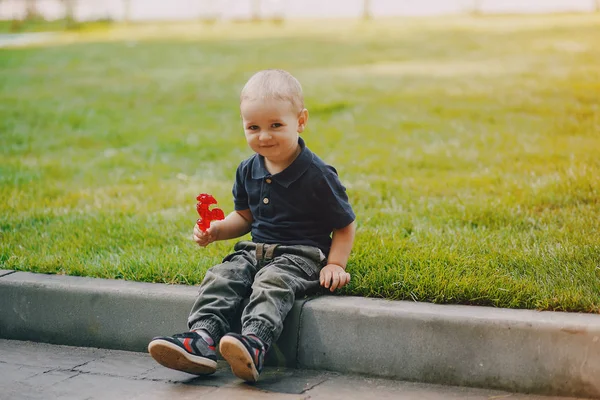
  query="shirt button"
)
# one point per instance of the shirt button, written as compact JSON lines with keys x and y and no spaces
{"x":266,"y":200}
{"x":268,"y":180}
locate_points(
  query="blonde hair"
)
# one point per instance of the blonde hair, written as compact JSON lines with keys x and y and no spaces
{"x":275,"y":84}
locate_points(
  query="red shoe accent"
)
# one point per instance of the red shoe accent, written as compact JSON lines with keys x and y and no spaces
{"x":186,"y":344}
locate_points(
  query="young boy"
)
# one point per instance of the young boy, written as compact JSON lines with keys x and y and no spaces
{"x":302,"y":233}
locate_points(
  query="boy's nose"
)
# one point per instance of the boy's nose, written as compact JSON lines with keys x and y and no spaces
{"x":264,"y":135}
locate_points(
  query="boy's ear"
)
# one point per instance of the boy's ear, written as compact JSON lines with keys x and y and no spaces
{"x":302,"y":120}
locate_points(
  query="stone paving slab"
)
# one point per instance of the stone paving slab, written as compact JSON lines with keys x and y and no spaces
{"x":144,"y":379}
{"x":120,"y":364}
{"x":14,"y":374}
{"x":34,"y":354}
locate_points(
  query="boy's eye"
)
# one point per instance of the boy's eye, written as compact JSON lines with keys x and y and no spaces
{"x":253,"y":127}
{"x":276,"y":125}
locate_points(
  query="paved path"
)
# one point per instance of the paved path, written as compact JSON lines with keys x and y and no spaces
{"x":22,"y":39}
{"x":40,"y":371}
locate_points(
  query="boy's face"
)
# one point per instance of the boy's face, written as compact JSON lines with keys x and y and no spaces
{"x":272,"y":128}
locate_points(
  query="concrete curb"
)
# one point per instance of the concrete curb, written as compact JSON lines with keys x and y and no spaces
{"x":516,"y":350}
{"x":110,"y":314}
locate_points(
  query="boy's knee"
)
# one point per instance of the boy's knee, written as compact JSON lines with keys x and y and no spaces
{"x":271,"y":276}
{"x":230,"y":269}
{"x":225,"y":270}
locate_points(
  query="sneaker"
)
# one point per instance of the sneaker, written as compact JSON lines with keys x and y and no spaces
{"x":244,"y":354}
{"x":187,"y":352}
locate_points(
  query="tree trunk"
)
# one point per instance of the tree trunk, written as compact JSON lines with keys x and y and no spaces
{"x":255,"y":5}
{"x":367,"y":10}
{"x":31,"y":10}
{"x":69,"y":12}
{"x":278,"y":13}
{"x":476,"y":7}
{"x":127,"y":11}
{"x":211,"y":9}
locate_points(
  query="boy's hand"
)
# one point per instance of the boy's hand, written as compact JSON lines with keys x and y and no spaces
{"x":205,"y":238}
{"x":334,"y":277}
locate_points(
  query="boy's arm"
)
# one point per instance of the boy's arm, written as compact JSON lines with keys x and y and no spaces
{"x":334,"y":274}
{"x":234,"y":225}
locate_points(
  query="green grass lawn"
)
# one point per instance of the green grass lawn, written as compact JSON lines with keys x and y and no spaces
{"x":470,"y":148}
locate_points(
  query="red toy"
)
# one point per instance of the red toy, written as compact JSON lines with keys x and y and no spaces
{"x":206,"y":216}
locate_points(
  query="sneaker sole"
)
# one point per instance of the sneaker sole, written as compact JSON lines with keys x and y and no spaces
{"x":238,"y":357}
{"x":172,"y":356}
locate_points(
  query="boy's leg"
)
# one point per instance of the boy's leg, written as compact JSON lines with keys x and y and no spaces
{"x":220,"y":293}
{"x":274,"y":291}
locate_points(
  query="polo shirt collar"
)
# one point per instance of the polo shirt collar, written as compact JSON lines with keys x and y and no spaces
{"x":290,"y":174}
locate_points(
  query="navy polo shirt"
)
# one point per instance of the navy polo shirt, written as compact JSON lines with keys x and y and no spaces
{"x":300,"y":205}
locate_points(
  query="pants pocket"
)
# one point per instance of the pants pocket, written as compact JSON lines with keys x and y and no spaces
{"x":310,"y":268}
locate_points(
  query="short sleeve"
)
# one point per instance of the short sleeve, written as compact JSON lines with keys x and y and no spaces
{"x":337,"y":211}
{"x":240,"y":195}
